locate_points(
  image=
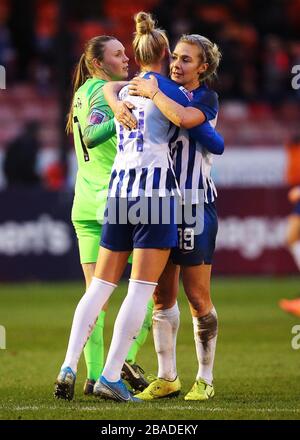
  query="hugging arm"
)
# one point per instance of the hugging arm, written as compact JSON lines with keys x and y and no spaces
{"x":121,"y":109}
{"x":97,"y":133}
{"x":208,"y":137}
{"x":178,"y":114}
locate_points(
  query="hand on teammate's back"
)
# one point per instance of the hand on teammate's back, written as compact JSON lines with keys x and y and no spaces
{"x":143,"y":87}
{"x":124,"y":115}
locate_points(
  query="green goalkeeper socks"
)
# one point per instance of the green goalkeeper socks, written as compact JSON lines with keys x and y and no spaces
{"x":94,"y":350}
{"x":142,"y":336}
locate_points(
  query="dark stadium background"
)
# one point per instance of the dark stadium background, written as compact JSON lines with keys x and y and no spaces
{"x":41,"y":40}
{"x":259,"y":113}
{"x":256,"y":374}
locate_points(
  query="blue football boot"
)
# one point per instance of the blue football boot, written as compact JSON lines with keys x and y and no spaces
{"x":113,"y":391}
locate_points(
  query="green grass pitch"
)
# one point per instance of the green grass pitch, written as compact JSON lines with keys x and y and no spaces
{"x":257,"y":374}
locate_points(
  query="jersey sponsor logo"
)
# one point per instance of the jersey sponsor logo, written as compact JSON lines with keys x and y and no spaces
{"x":96,"y":117}
{"x":188,"y":94}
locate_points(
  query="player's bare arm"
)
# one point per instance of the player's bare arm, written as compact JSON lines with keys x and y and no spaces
{"x":121,"y":109}
{"x":185,"y":117}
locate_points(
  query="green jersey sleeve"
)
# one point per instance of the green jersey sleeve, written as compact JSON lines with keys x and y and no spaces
{"x":95,"y":134}
{"x":95,"y":145}
{"x":100,"y":124}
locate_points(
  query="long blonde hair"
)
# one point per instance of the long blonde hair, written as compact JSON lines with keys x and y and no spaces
{"x":149,"y":42}
{"x":94,"y":48}
{"x":210,"y":54}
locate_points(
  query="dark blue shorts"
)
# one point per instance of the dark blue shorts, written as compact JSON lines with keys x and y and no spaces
{"x":195,"y":249}
{"x":296,"y":209}
{"x":154,"y":230}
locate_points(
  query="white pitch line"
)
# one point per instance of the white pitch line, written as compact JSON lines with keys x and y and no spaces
{"x":178,"y":408}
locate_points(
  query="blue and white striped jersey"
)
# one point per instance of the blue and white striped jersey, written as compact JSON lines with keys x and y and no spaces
{"x":151,"y":156}
{"x":192,"y":161}
{"x":143,"y":162}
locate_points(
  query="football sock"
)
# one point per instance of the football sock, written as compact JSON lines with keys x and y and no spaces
{"x":205,"y":335}
{"x":142,"y":336}
{"x":127,"y":326}
{"x":94,"y":349}
{"x":295,"y":250}
{"x":85,"y":317}
{"x":165,"y":328}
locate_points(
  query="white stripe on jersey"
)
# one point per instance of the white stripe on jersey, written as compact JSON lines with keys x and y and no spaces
{"x":197,"y":174}
{"x":149,"y":183}
{"x":123,"y":192}
{"x":200,"y":169}
{"x":205,"y":187}
{"x":213,"y":122}
{"x":162,"y":186}
{"x":184,"y":162}
{"x":136,"y":184}
{"x":214,"y":189}
{"x":123,"y":184}
{"x":114,"y":185}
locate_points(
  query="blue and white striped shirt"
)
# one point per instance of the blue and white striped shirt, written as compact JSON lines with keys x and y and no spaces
{"x":192,"y":162}
{"x":143,"y":162}
{"x":158,"y":155}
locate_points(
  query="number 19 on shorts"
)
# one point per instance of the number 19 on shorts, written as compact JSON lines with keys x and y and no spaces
{"x":186,"y":239}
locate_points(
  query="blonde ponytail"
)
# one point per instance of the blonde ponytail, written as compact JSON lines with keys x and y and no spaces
{"x":149,"y":42}
{"x":144,"y":23}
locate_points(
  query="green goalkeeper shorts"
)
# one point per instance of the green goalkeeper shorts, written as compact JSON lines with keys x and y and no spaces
{"x":89,"y":235}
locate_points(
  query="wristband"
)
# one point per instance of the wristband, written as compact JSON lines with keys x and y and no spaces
{"x":154,"y":94}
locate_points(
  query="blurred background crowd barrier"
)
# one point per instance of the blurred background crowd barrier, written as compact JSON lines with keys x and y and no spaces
{"x":40,"y":42}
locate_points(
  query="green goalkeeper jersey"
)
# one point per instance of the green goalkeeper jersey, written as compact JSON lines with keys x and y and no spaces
{"x":95,"y":145}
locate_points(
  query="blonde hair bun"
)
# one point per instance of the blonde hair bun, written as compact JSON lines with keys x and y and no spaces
{"x":144,"y":23}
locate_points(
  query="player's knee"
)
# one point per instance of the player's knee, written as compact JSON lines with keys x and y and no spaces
{"x":201,"y":308}
{"x":199,"y":299}
{"x":163,"y":299}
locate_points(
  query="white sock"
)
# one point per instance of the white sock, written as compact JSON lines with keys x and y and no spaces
{"x":85,"y":318}
{"x":205,"y":335}
{"x":295,"y":251}
{"x":165,"y":328}
{"x":127,"y":326}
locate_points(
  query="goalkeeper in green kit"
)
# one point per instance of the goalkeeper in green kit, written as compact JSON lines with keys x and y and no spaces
{"x":92,"y":124}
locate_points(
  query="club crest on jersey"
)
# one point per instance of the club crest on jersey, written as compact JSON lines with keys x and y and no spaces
{"x":78,"y":103}
{"x":96,"y":117}
{"x":188,"y":94}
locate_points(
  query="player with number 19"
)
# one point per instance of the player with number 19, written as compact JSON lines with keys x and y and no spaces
{"x":194,"y":62}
